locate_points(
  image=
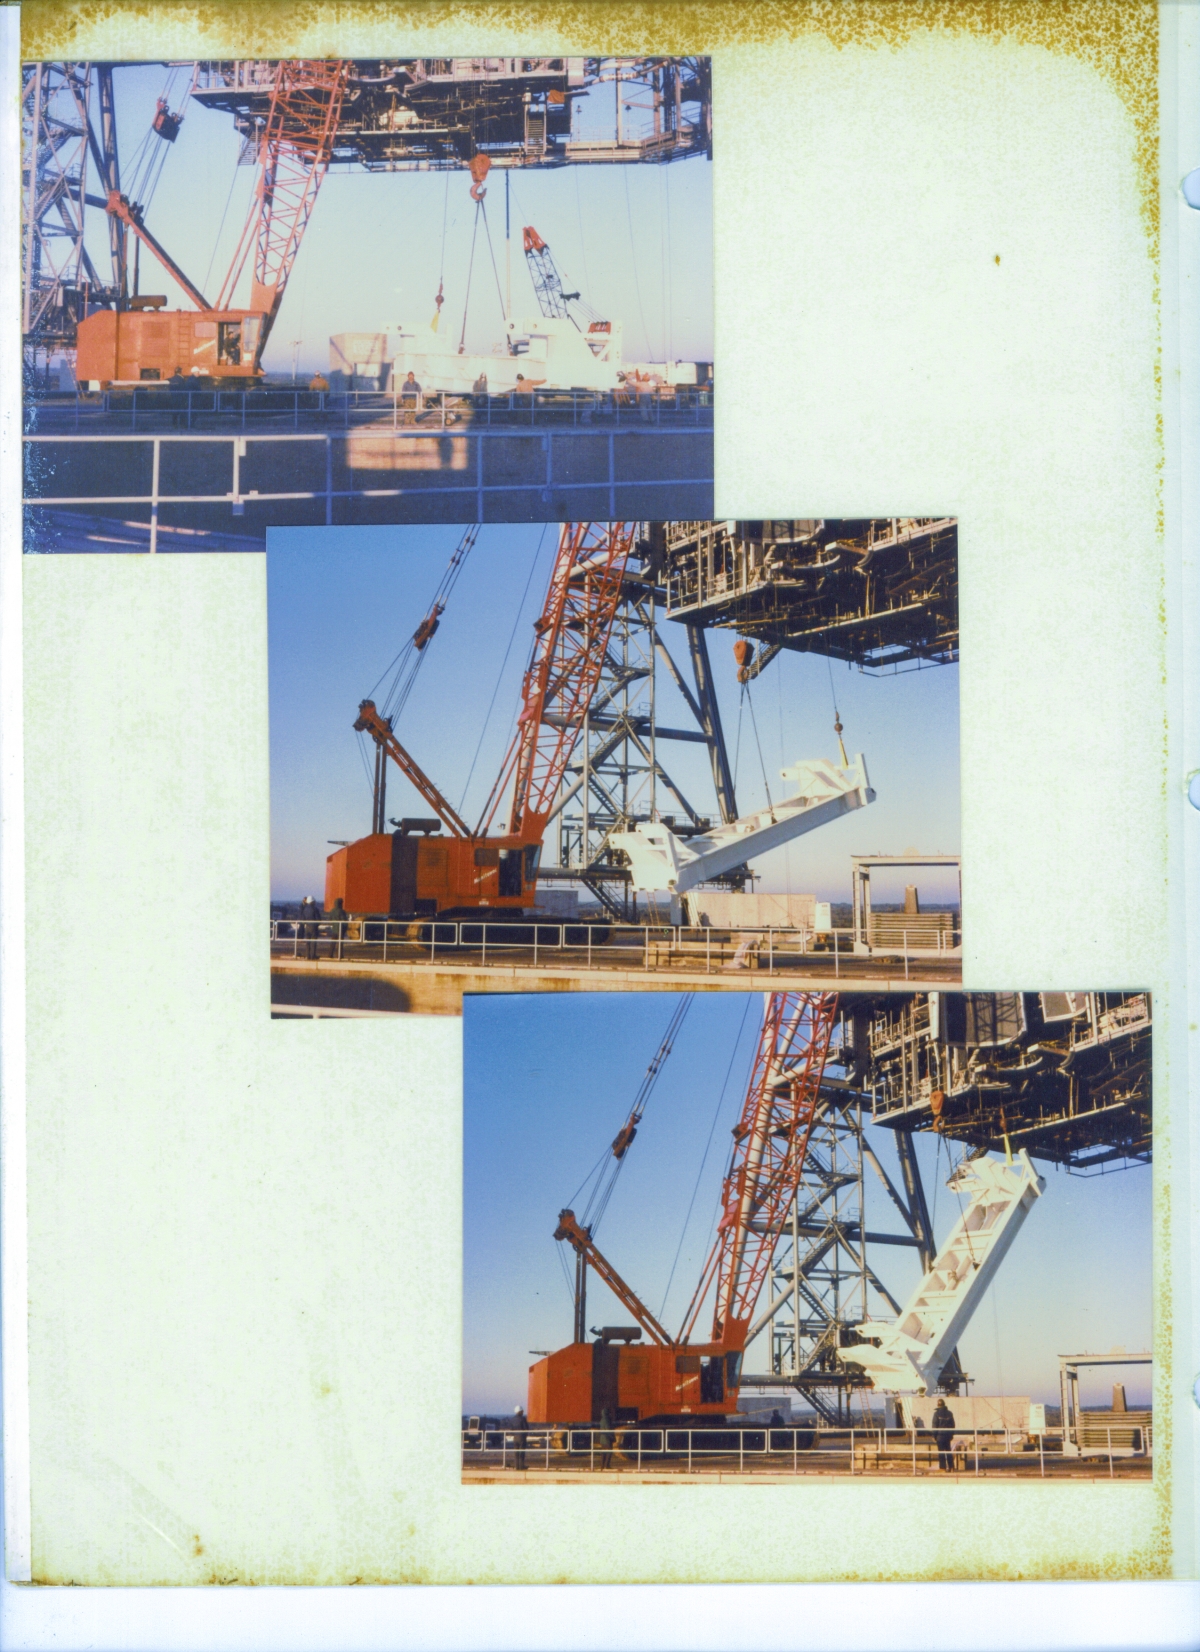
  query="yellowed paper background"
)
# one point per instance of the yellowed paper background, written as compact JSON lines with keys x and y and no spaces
{"x":939,"y":269}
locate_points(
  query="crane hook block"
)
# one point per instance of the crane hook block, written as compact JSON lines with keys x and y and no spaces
{"x":480,"y":166}
{"x":743,"y":653}
{"x":623,"y":1140}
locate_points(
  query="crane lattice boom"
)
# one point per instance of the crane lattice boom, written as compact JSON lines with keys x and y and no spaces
{"x":294,"y":150}
{"x":770,"y":1144}
{"x":564,"y":668}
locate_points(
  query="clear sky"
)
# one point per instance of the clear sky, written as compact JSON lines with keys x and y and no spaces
{"x":342,"y":601}
{"x":636,"y":241}
{"x":549,"y":1079}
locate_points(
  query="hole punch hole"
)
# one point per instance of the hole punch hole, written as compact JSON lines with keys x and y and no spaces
{"x":1191,"y":188}
{"x":1194,"y":790}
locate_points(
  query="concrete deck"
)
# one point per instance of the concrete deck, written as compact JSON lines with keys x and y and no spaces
{"x":423,"y":988}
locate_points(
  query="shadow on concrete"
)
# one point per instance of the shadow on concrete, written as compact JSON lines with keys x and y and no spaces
{"x":338,"y":992}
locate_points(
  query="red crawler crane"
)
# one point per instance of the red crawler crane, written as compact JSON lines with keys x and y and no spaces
{"x":674,"y":1376}
{"x":399,"y":874}
{"x":215,"y":341}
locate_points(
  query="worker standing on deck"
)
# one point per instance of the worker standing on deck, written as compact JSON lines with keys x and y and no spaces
{"x":318,"y":382}
{"x":943,"y":1433}
{"x":520,"y":1428}
{"x":308,"y":929}
{"x":178,"y":386}
{"x":605,"y":1439}
{"x":410,"y":395}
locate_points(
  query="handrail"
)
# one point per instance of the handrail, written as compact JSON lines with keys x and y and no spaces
{"x":646,"y":946}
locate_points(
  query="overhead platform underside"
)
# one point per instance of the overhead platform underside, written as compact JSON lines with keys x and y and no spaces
{"x":1065,"y":1075}
{"x":879,"y":593}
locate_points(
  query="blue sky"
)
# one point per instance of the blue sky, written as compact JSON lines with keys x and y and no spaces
{"x":635,"y":240}
{"x":341,"y":601}
{"x":549,"y":1079}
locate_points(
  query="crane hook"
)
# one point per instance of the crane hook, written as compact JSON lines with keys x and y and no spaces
{"x":480,"y":165}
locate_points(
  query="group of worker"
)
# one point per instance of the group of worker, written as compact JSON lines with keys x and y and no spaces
{"x":312,"y":915}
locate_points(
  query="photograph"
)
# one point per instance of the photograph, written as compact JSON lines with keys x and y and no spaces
{"x":500,"y":308}
{"x":609,"y":754}
{"x":926,"y":1252}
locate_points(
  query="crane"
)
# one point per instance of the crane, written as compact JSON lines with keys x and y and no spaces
{"x":416,"y":872}
{"x":141,"y":339}
{"x":495,"y":865}
{"x":559,"y":305}
{"x":669,"y":1376}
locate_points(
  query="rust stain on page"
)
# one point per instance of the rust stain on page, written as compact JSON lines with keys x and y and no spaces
{"x":1118,"y":41}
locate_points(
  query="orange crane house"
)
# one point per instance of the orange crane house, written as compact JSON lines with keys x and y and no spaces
{"x":673,"y":1376}
{"x":415,"y":871}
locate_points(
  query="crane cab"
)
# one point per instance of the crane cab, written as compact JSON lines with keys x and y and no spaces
{"x":136,"y":346}
{"x":633,"y":1383}
{"x":412,"y":872}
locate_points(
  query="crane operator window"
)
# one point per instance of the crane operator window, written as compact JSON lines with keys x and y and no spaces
{"x":229,"y":343}
{"x":712,"y":1379}
{"x":510,"y":872}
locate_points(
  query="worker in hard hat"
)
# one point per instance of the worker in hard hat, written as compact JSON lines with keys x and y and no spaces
{"x":318,"y":382}
{"x":520,"y":1427}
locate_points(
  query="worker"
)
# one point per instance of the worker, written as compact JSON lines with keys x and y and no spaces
{"x":308,"y":929}
{"x":318,"y":382}
{"x":943,"y":1433}
{"x":526,"y":386}
{"x":480,"y":389}
{"x":410,"y":395}
{"x":337,"y":914}
{"x":520,"y":1427}
{"x":604,"y":1438}
{"x":177,"y":385}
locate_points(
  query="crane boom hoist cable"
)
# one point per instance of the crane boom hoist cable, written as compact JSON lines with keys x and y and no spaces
{"x":415,"y":871}
{"x":676,"y":1376}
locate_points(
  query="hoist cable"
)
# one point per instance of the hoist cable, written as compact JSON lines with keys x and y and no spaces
{"x":762,"y":765}
{"x":704,"y":1160}
{"x":487,"y":231}
{"x":470,"y":267}
{"x":601,"y":1194}
{"x":637,"y":285}
{"x":407,"y":663}
{"x":220,"y":227}
{"x":500,"y":674}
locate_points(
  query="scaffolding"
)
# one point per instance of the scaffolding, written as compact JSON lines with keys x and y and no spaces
{"x":67,"y":124}
{"x":620,"y":775}
{"x":825,"y":1278}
